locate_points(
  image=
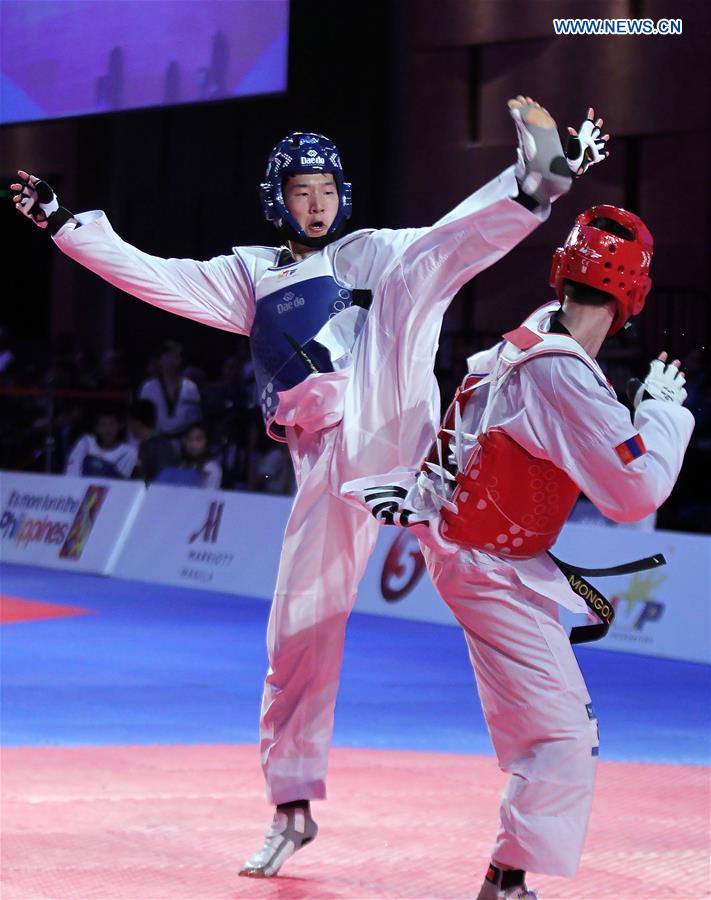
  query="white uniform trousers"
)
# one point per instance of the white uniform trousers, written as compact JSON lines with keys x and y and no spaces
{"x":391,"y":408}
{"x":536,"y":706}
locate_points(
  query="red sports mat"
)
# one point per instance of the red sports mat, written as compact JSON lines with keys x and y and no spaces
{"x":14,"y":609}
{"x":157,"y":823}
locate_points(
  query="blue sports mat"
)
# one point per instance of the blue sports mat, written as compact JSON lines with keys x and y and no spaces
{"x":168,"y":665}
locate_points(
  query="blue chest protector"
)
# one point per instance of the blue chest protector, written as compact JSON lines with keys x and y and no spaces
{"x":293,"y":304}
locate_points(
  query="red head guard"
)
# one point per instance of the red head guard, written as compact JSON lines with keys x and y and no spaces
{"x":602,"y":260}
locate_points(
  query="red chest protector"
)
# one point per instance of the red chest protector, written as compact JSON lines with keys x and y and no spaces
{"x":509,"y":502}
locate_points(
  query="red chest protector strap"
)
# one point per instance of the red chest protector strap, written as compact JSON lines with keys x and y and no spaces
{"x":444,"y":438}
{"x":506,"y":501}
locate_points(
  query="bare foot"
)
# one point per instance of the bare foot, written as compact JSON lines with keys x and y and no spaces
{"x":535,"y":114}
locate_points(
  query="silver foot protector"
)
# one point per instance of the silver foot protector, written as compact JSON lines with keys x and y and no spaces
{"x":291,"y":829}
{"x":542,"y":170}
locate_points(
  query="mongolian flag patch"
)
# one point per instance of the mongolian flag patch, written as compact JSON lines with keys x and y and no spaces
{"x":631,"y":449}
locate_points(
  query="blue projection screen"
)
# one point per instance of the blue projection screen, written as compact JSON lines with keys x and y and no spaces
{"x":72,"y":57}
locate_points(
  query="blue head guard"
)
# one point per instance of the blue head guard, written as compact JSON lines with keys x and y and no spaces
{"x":303,"y":152}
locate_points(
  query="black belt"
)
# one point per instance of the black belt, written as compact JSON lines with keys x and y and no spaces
{"x":596,"y":602}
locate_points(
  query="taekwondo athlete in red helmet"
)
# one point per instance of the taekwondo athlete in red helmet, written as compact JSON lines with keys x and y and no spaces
{"x":606,"y":261}
{"x":326,"y":372}
{"x":533,"y":424}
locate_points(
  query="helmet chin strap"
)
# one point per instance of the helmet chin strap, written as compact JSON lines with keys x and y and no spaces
{"x":287,"y":233}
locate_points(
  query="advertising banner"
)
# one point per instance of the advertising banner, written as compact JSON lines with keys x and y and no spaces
{"x":216,"y":540}
{"x":65,"y":522}
{"x":229,"y":541}
{"x":663,"y":612}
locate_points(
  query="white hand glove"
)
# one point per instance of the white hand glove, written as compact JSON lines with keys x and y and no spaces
{"x":37,"y":201}
{"x":586,"y":147}
{"x":664,"y":382}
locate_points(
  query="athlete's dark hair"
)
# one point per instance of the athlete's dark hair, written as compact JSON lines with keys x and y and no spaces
{"x":584,"y":293}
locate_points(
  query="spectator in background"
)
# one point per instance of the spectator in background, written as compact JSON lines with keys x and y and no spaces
{"x":61,"y":372}
{"x":155,"y":451}
{"x":689,"y":507}
{"x":112,"y":372}
{"x":195,"y":456}
{"x":249,"y":379}
{"x":271,"y":470}
{"x":698,"y":389}
{"x":227,"y":393}
{"x":103,"y":453}
{"x":198,"y":377}
{"x":176,"y":398}
{"x":86,"y":367}
{"x":7,"y":357}
{"x":231,"y":421}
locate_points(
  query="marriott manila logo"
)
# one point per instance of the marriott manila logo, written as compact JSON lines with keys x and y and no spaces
{"x":210,"y":528}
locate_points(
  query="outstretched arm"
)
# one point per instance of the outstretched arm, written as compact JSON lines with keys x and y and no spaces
{"x":217,"y":292}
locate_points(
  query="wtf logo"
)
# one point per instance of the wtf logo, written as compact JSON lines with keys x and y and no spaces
{"x":635,"y":607}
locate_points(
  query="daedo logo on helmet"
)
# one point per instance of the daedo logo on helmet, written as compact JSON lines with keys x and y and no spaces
{"x":312,"y":159}
{"x":303,"y":152}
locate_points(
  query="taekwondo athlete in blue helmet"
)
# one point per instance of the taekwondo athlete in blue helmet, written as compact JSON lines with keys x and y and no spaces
{"x":328,"y":382}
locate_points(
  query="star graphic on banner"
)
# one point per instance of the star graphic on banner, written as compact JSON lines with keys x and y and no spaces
{"x":640,"y":589}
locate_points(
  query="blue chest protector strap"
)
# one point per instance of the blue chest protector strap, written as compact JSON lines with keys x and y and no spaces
{"x":289,"y":315}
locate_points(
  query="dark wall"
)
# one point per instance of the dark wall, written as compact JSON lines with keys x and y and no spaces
{"x":463,"y":60}
{"x":415,"y":94}
{"x":184,"y":181}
